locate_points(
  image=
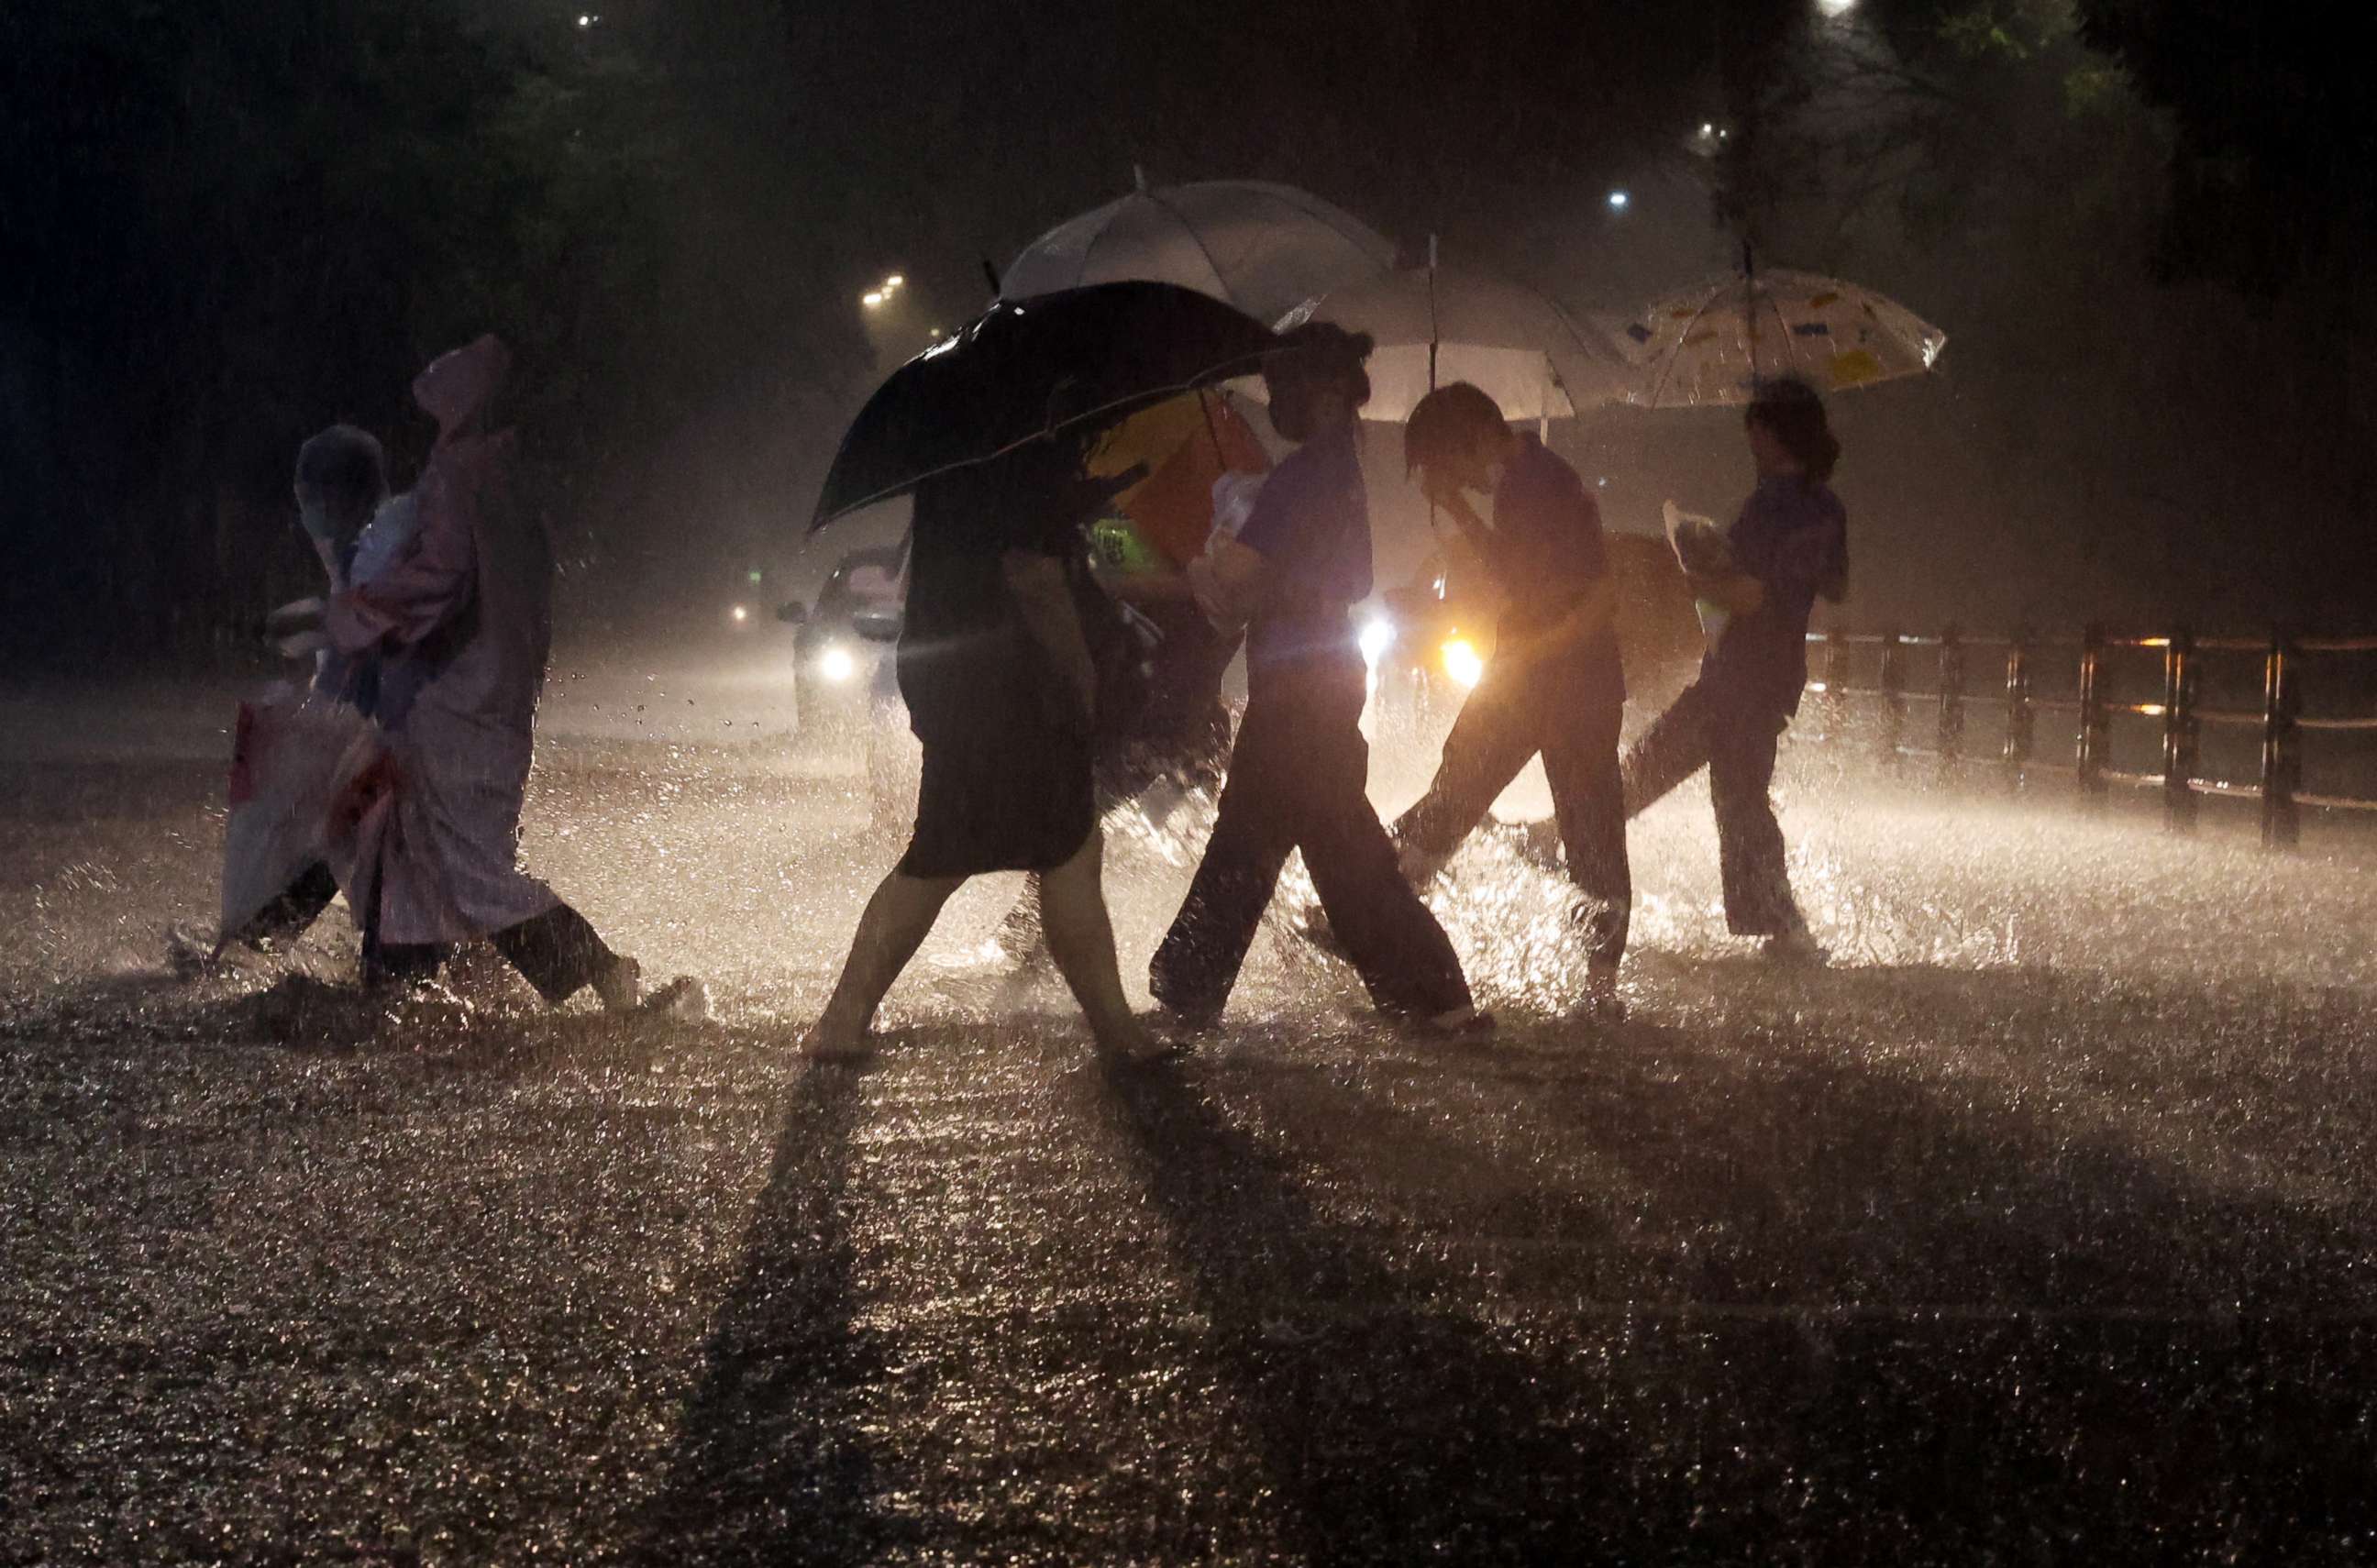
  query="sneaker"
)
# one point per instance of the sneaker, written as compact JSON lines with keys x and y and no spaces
{"x":683,"y":998}
{"x":620,"y":987}
{"x":189,"y":954}
{"x":1796,"y":946}
{"x":1457,"y":1024}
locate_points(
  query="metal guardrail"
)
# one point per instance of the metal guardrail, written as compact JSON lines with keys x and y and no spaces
{"x":2279,"y":718}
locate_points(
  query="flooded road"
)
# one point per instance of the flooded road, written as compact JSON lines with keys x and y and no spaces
{"x":2040,"y":1228}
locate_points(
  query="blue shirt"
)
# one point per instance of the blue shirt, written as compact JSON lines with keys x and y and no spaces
{"x":1548,"y":552}
{"x":1792,"y":536}
{"x":1311,"y":525}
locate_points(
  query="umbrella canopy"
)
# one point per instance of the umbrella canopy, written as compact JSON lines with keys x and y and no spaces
{"x":1027,"y":369}
{"x":1264,"y":248}
{"x":1712,"y":345}
{"x":1443,"y":324}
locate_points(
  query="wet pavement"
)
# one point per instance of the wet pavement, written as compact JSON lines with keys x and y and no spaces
{"x":2039,"y":1229}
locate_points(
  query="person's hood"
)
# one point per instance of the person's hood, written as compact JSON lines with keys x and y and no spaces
{"x":460,"y":382}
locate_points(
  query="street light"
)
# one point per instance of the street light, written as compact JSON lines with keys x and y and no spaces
{"x":1836,"y":8}
{"x":894,"y":281}
{"x":1618,"y":200}
{"x":871,"y":299}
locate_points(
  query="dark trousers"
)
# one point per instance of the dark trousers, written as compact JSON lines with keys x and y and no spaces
{"x":559,"y":952}
{"x":1498,"y":731}
{"x":1735,"y":739}
{"x":1296,"y":781}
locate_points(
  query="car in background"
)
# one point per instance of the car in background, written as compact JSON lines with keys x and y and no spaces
{"x":834,"y":664}
{"x":1430,"y":641}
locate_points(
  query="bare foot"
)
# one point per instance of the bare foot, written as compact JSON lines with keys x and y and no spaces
{"x":1135,"y":1045}
{"x":828,"y":1040}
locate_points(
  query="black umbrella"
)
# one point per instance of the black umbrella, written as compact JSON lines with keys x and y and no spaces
{"x":1079,"y":357}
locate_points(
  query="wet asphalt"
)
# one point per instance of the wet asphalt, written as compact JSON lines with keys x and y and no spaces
{"x":2038,"y":1230}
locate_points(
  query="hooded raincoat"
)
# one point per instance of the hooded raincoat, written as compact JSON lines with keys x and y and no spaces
{"x":428,"y":835}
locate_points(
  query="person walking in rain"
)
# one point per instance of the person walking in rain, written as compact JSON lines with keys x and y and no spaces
{"x":1788,"y":546}
{"x":1001,"y":690}
{"x":341,"y":484}
{"x":463,"y":619}
{"x":1555,"y":686}
{"x":1300,"y":768}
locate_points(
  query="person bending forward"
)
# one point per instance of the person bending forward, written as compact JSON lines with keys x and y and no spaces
{"x":1555,"y":685}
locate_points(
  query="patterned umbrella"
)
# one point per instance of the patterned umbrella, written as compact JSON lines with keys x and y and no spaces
{"x":1711,"y":346}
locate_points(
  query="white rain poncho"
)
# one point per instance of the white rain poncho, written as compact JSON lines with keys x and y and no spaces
{"x":462,"y":619}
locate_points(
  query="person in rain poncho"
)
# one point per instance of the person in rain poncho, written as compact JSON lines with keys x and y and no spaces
{"x":1789,"y":546}
{"x":462,"y":619}
{"x":1298,"y":769}
{"x":340,"y":486}
{"x":1001,"y":689}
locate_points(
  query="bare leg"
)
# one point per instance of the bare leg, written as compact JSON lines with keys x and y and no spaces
{"x":1081,"y":939}
{"x":897,"y":920}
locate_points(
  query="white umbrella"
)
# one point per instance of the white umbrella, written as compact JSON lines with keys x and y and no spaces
{"x":1262,"y":247}
{"x":1712,"y":344}
{"x":1437,"y":325}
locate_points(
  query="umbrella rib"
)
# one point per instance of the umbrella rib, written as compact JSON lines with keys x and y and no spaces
{"x":1326,"y":220}
{"x":1198,"y":240}
{"x":1097,"y":238}
{"x":1669,"y":372}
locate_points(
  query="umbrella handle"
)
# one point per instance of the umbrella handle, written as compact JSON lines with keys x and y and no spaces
{"x":1212,"y":432}
{"x":1750,"y":307}
{"x":1434,"y":334}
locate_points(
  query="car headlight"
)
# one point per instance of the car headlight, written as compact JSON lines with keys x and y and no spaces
{"x":1378,"y":635}
{"x":1463,"y":662}
{"x":836,"y":664}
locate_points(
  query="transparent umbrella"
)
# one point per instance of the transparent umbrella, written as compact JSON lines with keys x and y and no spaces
{"x":1262,"y":247}
{"x":1437,"y":325}
{"x":1712,"y":345}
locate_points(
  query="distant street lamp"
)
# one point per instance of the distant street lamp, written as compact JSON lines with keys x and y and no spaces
{"x":1618,"y":200}
{"x":871,"y":299}
{"x":1836,"y":8}
{"x":588,"y":19}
